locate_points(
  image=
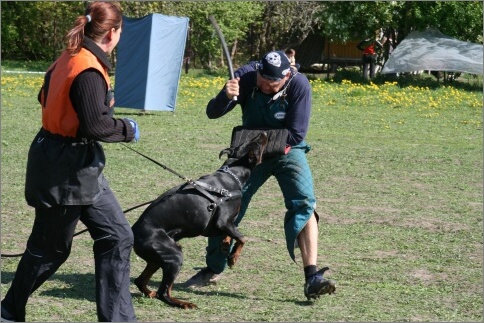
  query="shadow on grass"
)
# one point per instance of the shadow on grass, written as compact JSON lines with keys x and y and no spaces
{"x":241,"y":296}
{"x":7,"y":277}
{"x":82,"y":287}
{"x":180,"y":287}
{"x":302,"y":303}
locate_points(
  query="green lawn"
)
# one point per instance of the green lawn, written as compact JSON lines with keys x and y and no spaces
{"x":398,"y":176}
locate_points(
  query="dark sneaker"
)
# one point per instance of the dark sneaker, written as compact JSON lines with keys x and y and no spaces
{"x":317,"y":285}
{"x":203,"y":278}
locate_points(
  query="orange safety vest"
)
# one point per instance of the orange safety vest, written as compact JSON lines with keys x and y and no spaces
{"x":58,"y":113}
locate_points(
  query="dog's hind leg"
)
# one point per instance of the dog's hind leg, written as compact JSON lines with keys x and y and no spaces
{"x":164,"y":294}
{"x":142,"y":281}
{"x":170,"y":257}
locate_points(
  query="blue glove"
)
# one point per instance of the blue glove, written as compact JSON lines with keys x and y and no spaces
{"x":135,"y":129}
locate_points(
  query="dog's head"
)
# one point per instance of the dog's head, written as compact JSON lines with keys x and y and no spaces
{"x":252,"y":150}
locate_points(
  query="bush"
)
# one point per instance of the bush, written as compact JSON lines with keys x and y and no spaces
{"x":31,"y":66}
{"x":352,"y":74}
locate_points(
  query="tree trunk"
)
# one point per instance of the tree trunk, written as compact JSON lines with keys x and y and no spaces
{"x":233,"y":51}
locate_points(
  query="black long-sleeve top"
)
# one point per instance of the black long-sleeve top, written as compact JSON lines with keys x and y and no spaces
{"x":298,"y":96}
{"x":90,"y":98}
{"x":66,"y":171}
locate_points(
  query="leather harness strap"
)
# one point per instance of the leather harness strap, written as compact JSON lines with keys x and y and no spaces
{"x":225,"y":194}
{"x":204,"y":188}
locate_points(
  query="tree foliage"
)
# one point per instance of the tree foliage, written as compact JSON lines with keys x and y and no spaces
{"x":356,"y":20}
{"x":343,"y":21}
{"x":285,"y":24}
{"x":233,"y":18}
{"x":35,"y":30}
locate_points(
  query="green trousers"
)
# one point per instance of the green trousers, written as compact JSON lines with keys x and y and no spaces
{"x":294,"y":177}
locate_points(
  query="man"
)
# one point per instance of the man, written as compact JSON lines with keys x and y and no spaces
{"x":275,"y":96}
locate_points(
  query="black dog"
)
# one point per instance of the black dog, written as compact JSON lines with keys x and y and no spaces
{"x":205,"y":207}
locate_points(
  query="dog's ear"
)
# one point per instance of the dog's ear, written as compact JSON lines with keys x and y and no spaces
{"x":261,"y":147}
{"x":252,"y":157}
{"x":228,"y":151}
{"x":263,"y":139}
{"x":257,"y":149}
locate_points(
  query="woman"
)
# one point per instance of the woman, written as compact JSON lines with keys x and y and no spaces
{"x":64,"y":180}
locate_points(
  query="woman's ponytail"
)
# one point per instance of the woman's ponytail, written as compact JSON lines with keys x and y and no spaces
{"x":99,"y":18}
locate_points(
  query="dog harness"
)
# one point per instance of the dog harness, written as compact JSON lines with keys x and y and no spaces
{"x":225,"y":195}
{"x":215,"y":195}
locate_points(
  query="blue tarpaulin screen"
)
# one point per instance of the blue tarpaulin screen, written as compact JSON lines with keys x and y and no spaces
{"x":149,"y":62}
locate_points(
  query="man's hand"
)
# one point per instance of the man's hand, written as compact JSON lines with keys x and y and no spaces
{"x":232,"y":88}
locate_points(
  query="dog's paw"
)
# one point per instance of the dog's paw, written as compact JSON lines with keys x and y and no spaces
{"x":188,"y":306}
{"x":231,"y":260}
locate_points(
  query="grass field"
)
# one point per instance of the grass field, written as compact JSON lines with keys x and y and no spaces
{"x":398,"y":176}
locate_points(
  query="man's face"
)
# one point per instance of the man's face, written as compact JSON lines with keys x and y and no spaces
{"x":268,"y":86}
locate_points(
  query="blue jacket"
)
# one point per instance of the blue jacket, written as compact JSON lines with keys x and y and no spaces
{"x":298,"y":97}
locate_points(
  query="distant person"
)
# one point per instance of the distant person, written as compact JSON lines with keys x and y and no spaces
{"x":389,"y":43}
{"x":64,"y":180}
{"x":369,"y":46}
{"x":186,"y":59}
{"x":291,"y":54}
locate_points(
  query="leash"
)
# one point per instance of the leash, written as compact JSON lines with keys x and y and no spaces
{"x":158,"y":163}
{"x":226,"y":194}
{"x":203,"y":188}
{"x":200,"y":186}
{"x":80,"y":232}
{"x":130,"y":209}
